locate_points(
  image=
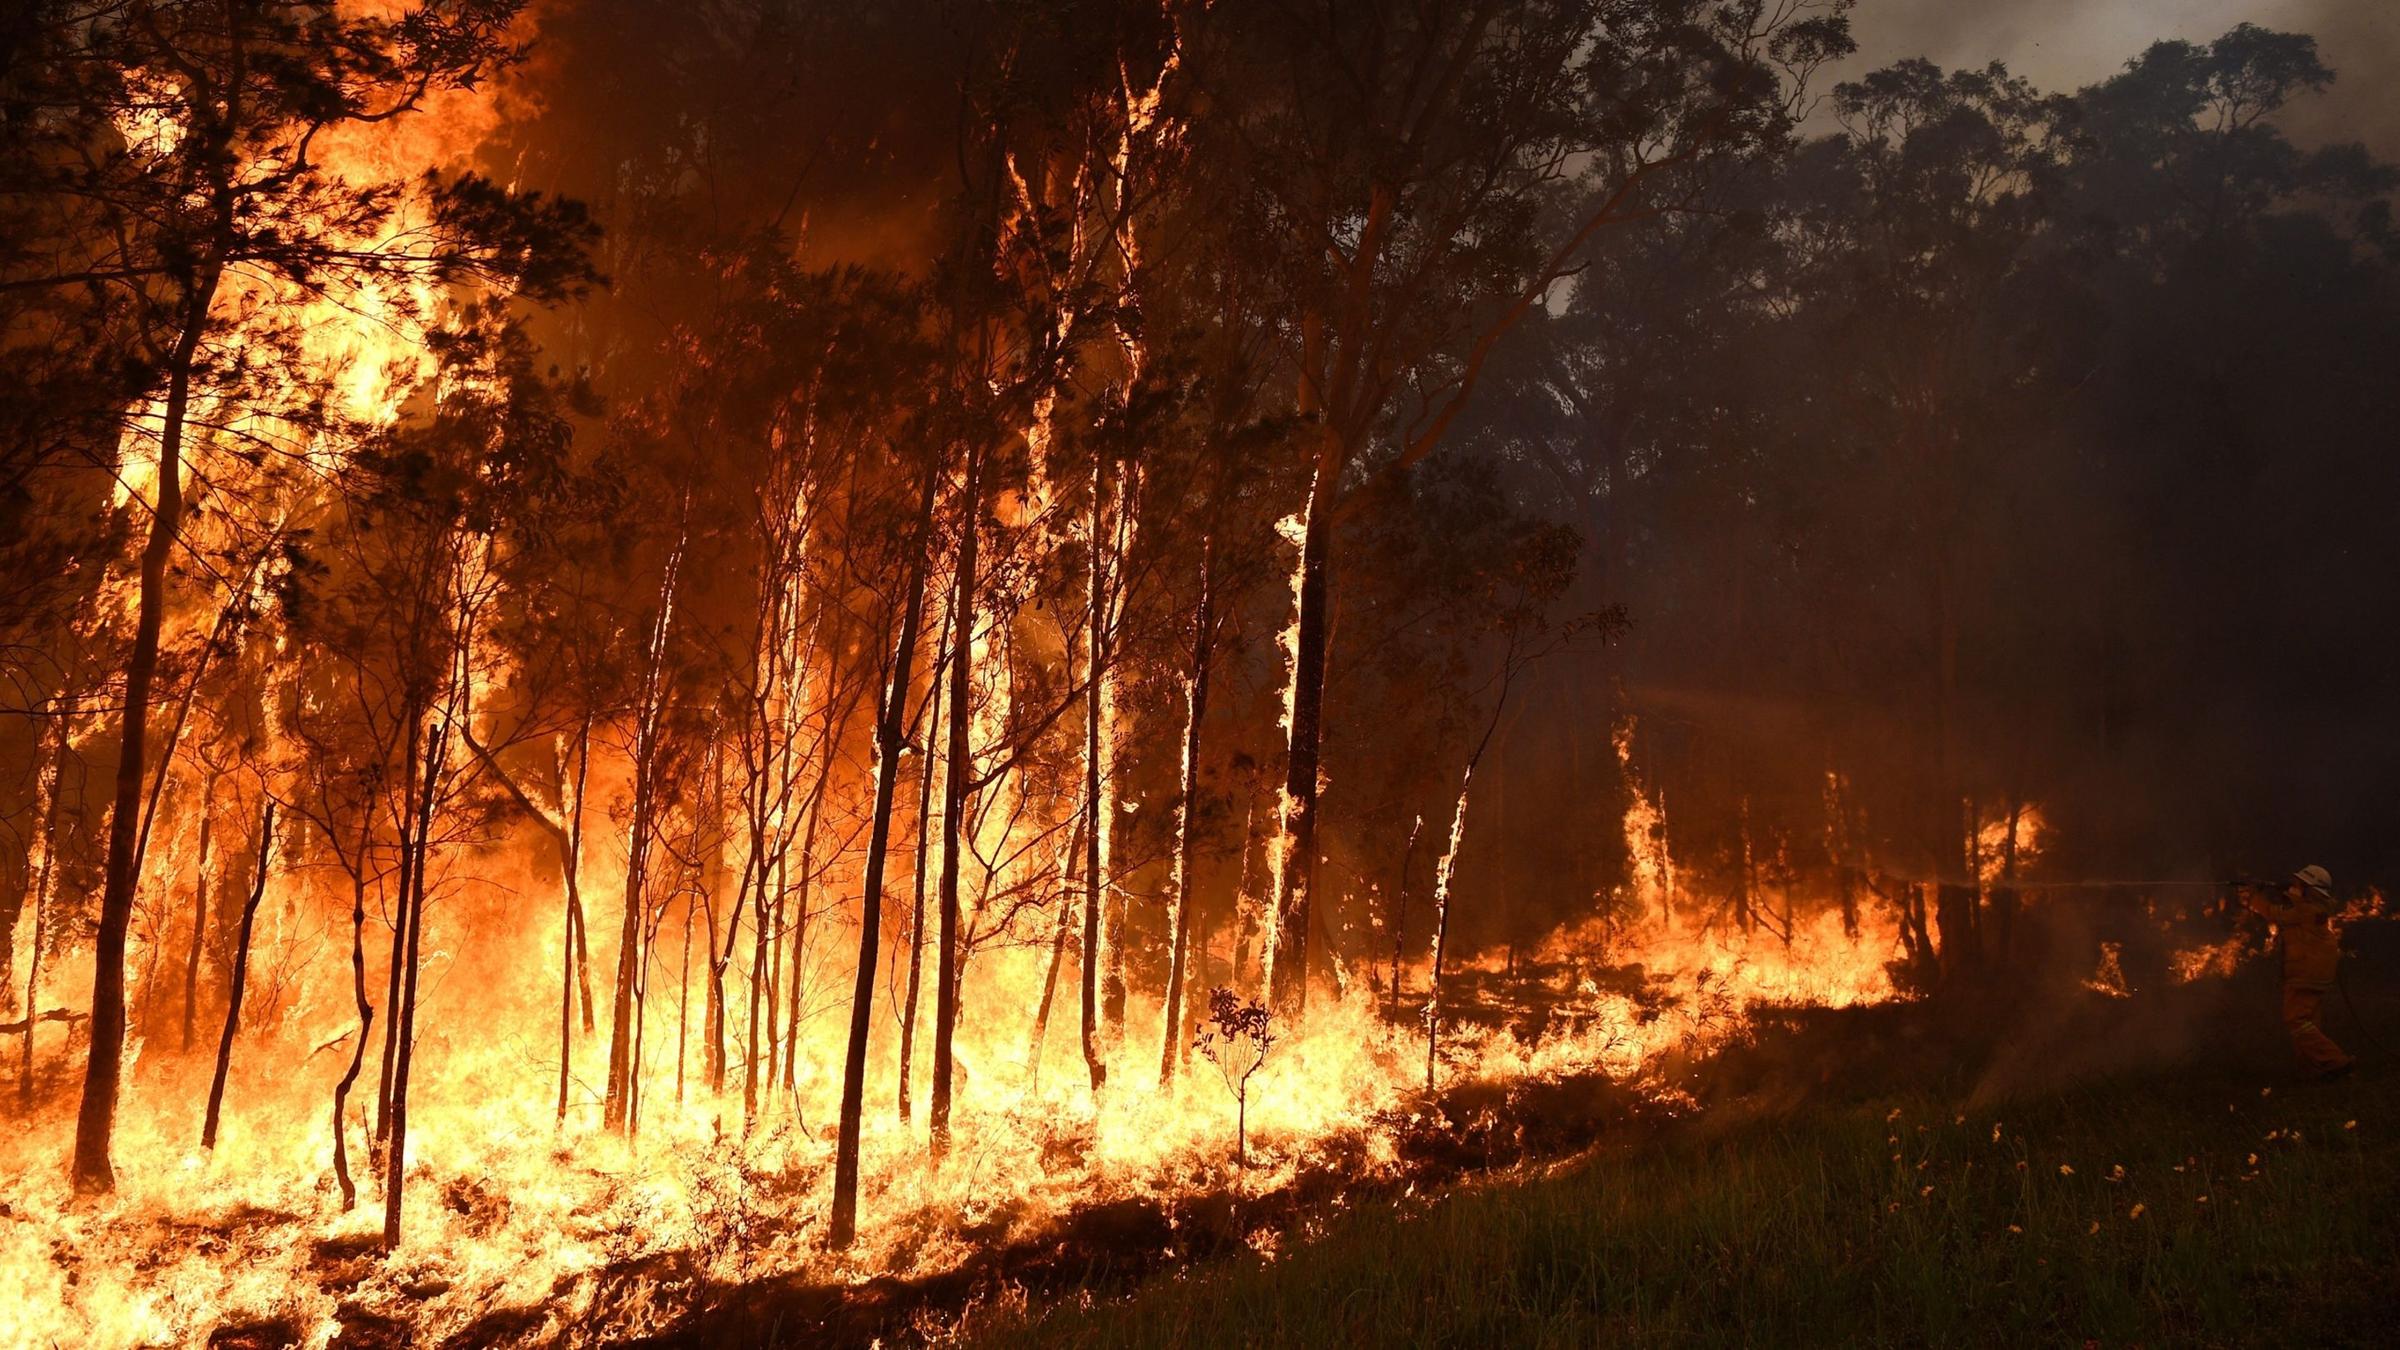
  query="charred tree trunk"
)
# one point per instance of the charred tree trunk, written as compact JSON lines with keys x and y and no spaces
{"x":16,"y":883}
{"x":577,"y":919}
{"x":191,"y":963}
{"x":719,"y":961}
{"x":616,"y":1111}
{"x":1447,"y":866}
{"x":41,"y":913}
{"x":641,"y":1024}
{"x":1058,"y":953}
{"x":1442,"y":871}
{"x":959,"y":753}
{"x":1195,"y":714}
{"x":366,"y":1024}
{"x":683,"y":1002}
{"x":808,"y":876}
{"x":241,"y":970}
{"x":410,"y":855}
{"x":890,"y":730}
{"x":750,"y":892}
{"x":574,"y":962}
{"x":1244,"y":907}
{"x":1287,"y":948}
{"x":916,"y":919}
{"x":762,"y":944}
{"x":1095,"y":1064}
{"x":773,"y":964}
{"x":95,"y":1120}
{"x":404,"y":1015}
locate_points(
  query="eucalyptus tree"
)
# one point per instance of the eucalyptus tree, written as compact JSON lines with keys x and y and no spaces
{"x":1422,"y":180}
{"x":433,"y":523}
{"x":195,"y":141}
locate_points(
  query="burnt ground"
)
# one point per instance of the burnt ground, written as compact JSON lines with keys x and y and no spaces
{"x":2040,"y":1030}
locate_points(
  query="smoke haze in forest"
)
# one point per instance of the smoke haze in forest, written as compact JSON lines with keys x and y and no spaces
{"x":2066,"y":44}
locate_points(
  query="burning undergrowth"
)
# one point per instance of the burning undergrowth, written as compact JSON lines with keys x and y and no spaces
{"x":537,"y":1235}
{"x":612,"y":1237}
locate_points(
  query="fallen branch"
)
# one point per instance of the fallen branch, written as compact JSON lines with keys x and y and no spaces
{"x":17,"y":1028}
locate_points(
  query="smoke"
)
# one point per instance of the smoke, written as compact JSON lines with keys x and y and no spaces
{"x":2361,"y":41}
{"x":2066,"y":44}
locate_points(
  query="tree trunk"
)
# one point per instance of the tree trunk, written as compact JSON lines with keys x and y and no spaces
{"x":1095,"y":617}
{"x":1287,"y":949}
{"x":410,"y":855}
{"x":616,"y":1110}
{"x":1194,"y":715}
{"x":718,"y":962}
{"x":808,"y":877}
{"x":41,"y":911}
{"x":758,"y":806}
{"x":1244,"y":910}
{"x":366,"y":1024}
{"x":762,"y":936}
{"x":404,"y":1017}
{"x":1446,"y":867}
{"x":683,"y":1002}
{"x":916,"y":921}
{"x":573,"y":961}
{"x":191,"y":963}
{"x":1112,"y":896}
{"x":890,"y":729}
{"x":95,"y":1121}
{"x":158,"y":790}
{"x":1058,"y":953}
{"x":578,"y":921}
{"x":960,"y":756}
{"x":1442,"y":871}
{"x":241,"y":970}
{"x":772,"y":937}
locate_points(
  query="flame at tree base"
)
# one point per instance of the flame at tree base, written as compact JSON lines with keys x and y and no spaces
{"x":510,"y":1211}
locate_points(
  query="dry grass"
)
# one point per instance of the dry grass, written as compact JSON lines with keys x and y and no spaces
{"x":2194,"y":1210}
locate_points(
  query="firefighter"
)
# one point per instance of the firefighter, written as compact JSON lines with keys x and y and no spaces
{"x":2303,"y":917}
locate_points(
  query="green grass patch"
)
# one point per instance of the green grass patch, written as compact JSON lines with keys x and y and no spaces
{"x":2178,"y":1211}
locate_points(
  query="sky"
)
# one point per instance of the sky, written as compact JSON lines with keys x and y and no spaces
{"x":2066,"y":44}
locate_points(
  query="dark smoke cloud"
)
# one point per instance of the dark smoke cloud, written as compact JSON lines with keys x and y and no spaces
{"x":2066,"y":44}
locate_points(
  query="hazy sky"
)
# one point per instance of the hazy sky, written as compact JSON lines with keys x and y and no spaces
{"x":2065,"y":44}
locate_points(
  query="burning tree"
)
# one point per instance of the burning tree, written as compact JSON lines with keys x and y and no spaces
{"x":976,"y":492}
{"x":1236,"y":1038}
{"x":195,"y":156}
{"x":1407,"y":256}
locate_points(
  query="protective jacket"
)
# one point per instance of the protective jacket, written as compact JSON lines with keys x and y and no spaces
{"x":2311,"y":949}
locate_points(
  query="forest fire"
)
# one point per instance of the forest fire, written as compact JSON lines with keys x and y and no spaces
{"x":510,"y":1209}
{"x":611,"y":701}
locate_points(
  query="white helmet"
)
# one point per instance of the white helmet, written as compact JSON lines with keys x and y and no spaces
{"x":2315,"y":878}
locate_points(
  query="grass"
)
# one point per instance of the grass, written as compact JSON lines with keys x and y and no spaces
{"x":2195,"y":1210}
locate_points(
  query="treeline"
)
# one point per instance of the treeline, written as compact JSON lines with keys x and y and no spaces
{"x":1998,"y":449}
{"x":1107,"y":481}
